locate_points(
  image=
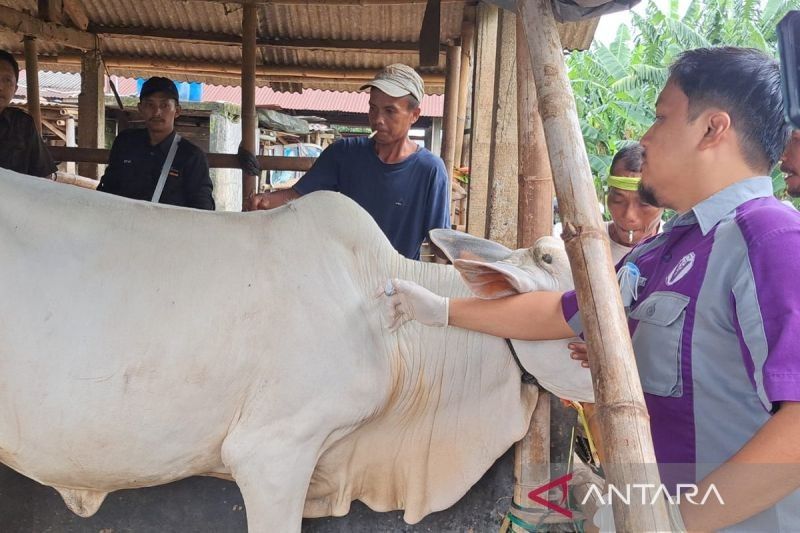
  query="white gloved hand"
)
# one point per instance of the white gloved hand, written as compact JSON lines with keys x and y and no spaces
{"x":405,"y":300}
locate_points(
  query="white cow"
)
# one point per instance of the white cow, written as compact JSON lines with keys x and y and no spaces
{"x":141,"y":344}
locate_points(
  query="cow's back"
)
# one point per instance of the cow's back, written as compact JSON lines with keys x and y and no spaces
{"x":133,"y":336}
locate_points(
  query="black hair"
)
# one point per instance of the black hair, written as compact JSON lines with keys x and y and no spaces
{"x":629,"y":157}
{"x":745,"y":83}
{"x":8,"y":58}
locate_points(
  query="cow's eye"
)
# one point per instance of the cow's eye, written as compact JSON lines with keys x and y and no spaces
{"x":547,"y":258}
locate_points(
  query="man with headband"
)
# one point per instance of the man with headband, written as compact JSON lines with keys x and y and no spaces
{"x":632,"y":220}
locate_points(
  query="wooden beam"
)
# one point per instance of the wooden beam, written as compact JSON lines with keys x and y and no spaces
{"x":91,"y":109}
{"x":453,"y":67}
{"x":228,"y":69}
{"x":50,"y":10}
{"x":465,"y":76}
{"x":32,"y":81}
{"x":323,"y":44}
{"x":501,"y":211}
{"x":249,"y":121}
{"x":621,"y":410}
{"x":356,"y":3}
{"x":54,"y":129}
{"x":535,"y":181}
{"x":74,"y":10}
{"x":430,"y":34}
{"x":23,"y":24}
{"x":229,"y":39}
{"x":482,"y":118}
{"x":100,"y":156}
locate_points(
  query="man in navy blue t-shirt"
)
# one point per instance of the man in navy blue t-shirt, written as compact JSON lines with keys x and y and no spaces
{"x":403,"y":186}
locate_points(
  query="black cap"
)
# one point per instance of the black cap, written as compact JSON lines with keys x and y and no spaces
{"x":157,"y":84}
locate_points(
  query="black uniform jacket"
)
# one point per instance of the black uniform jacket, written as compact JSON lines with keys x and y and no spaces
{"x":135,"y":165}
{"x":21,"y":146}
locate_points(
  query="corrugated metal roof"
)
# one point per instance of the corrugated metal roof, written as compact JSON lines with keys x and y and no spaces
{"x":52,"y":85}
{"x":320,"y":21}
{"x":58,"y":85}
{"x":314,"y":100}
{"x":386,"y":23}
{"x":68,"y":85}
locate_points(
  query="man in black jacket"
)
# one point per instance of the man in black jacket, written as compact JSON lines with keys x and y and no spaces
{"x":139,"y":165}
{"x":22,"y":147}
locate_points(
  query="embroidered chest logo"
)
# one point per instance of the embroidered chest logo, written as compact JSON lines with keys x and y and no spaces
{"x":681,"y":269}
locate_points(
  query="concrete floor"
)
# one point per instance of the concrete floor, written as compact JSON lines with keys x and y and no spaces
{"x":206,"y":505}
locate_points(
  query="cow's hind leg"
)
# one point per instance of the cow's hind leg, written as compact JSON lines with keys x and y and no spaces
{"x":273,"y":475}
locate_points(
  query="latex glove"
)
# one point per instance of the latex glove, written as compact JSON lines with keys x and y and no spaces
{"x":604,"y":517}
{"x":405,"y":300}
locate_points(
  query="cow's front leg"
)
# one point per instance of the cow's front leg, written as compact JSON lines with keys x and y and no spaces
{"x":273,"y":475}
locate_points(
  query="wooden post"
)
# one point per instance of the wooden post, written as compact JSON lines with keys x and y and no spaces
{"x":535,"y":182}
{"x":50,"y":10}
{"x":464,"y":77}
{"x":482,"y":117}
{"x":628,"y":445}
{"x":453,"y":68}
{"x":91,"y":110}
{"x":32,"y":81}
{"x":534,"y":220}
{"x":501,"y":211}
{"x":249,"y":122}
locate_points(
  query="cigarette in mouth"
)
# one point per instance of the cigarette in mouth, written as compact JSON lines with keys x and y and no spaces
{"x":373,"y":134}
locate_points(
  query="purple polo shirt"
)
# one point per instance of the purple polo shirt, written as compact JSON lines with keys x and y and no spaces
{"x":716,"y":331}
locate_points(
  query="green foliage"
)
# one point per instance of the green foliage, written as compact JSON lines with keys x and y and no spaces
{"x":616,"y":85}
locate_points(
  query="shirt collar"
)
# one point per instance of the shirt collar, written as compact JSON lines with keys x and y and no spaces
{"x":714,"y":208}
{"x":164,"y":145}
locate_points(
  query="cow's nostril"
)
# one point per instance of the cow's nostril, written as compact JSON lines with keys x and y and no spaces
{"x":547,"y":258}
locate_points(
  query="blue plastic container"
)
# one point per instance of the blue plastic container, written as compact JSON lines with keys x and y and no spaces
{"x":187,"y":91}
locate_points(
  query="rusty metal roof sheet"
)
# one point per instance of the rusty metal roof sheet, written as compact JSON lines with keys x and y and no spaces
{"x":309,"y":21}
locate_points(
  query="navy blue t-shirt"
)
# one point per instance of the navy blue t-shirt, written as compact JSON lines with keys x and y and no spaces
{"x":406,"y":199}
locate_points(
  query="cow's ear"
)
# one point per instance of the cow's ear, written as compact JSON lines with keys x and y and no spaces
{"x":494,"y":280}
{"x":459,"y":245}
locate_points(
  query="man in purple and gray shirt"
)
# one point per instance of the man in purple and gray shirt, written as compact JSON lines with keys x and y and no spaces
{"x":716,"y":323}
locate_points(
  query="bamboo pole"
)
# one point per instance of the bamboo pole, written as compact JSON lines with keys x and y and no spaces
{"x":249,"y":122}
{"x":620,"y":403}
{"x":464,"y":77}
{"x":451,"y":107}
{"x":32,"y":81}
